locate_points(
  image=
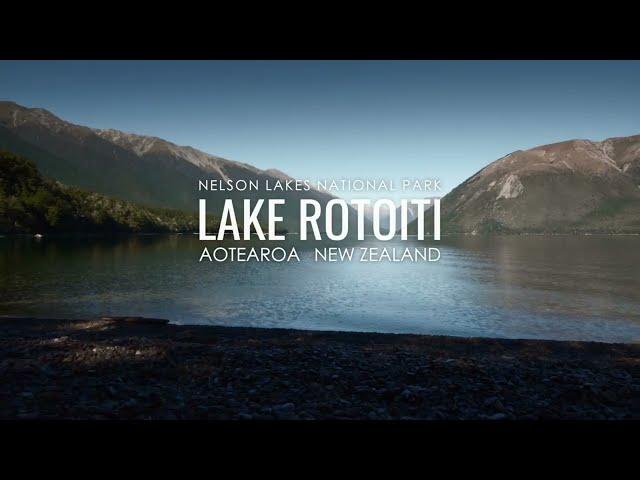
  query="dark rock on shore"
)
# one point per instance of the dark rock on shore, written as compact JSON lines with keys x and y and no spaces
{"x":137,"y":320}
{"x":119,"y":368}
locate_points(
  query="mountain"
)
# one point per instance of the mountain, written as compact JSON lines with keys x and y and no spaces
{"x":142,"y":169}
{"x":572,"y":186}
{"x":385,"y":221}
{"x":30,"y":203}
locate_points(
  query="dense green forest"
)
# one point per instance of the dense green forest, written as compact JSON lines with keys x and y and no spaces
{"x":30,"y":203}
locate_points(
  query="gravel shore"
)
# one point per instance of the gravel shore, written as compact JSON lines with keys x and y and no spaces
{"x":143,"y":369}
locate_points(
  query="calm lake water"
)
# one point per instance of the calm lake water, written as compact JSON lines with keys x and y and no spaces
{"x":555,"y":287}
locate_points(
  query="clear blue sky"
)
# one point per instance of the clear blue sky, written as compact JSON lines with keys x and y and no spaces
{"x":380,"y":119}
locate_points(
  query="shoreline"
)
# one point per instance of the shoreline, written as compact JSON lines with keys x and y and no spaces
{"x":460,"y":234}
{"x":136,"y":368}
{"x":138,"y":320}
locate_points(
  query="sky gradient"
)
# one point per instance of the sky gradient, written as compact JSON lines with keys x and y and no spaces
{"x":318,"y":119}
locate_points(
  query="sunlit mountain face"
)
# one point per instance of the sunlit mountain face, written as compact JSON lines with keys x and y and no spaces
{"x":571,"y":186}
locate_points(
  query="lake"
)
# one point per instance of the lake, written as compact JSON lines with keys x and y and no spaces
{"x":551,"y":287}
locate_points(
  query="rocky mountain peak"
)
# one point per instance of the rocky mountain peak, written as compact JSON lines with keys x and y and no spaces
{"x":14,"y":115}
{"x":575,"y":185}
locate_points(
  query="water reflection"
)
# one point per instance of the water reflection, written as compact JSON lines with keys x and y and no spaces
{"x":564,"y":287}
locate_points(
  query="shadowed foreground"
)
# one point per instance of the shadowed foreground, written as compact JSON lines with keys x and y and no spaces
{"x":119,"y":369}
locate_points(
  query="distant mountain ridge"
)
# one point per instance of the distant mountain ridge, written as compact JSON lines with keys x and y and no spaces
{"x":572,"y":186}
{"x":143,"y":169}
{"x":385,"y":214}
